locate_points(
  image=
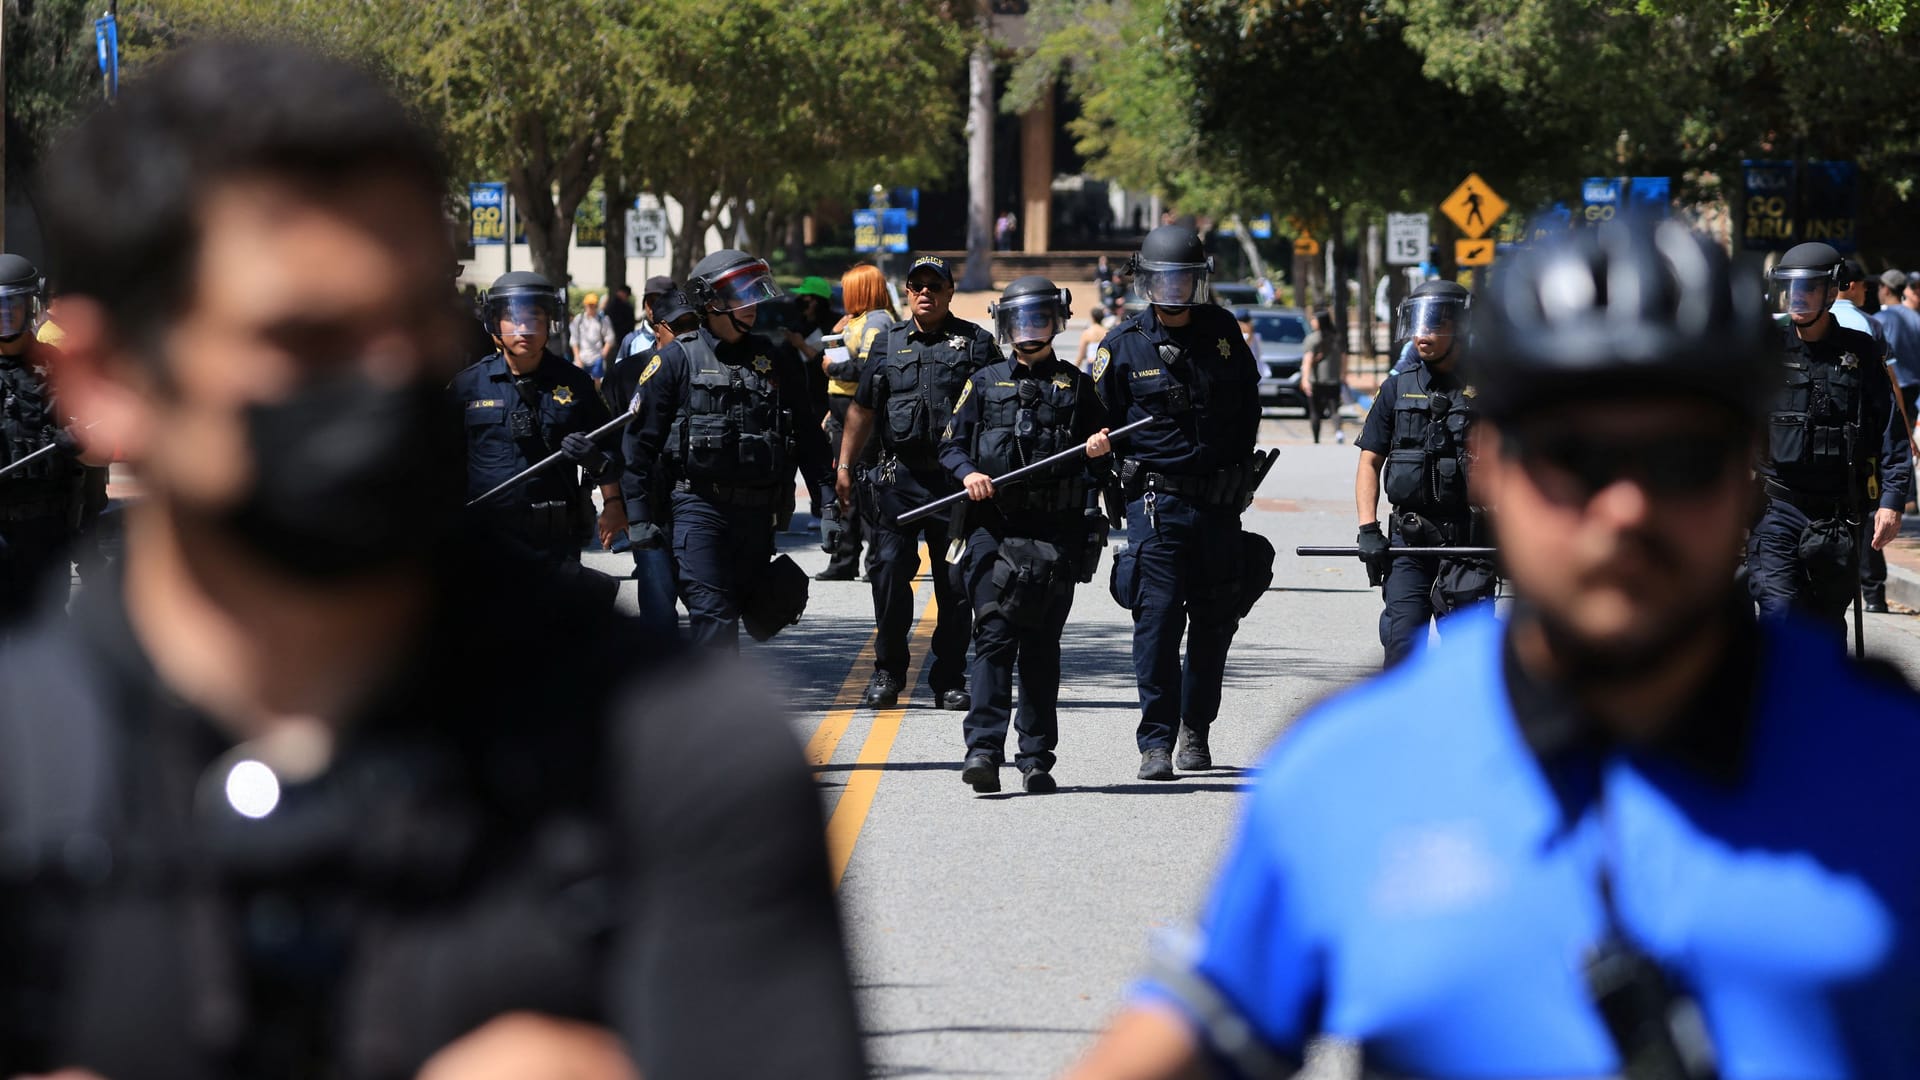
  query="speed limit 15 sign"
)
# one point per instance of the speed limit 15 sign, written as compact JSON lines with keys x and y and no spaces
{"x":1406,"y":239}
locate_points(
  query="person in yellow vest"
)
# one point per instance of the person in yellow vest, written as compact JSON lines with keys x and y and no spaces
{"x":869,"y":312}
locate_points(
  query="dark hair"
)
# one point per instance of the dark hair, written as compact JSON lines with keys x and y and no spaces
{"x":120,"y":195}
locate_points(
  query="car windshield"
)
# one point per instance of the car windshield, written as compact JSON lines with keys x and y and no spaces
{"x":1280,"y":329}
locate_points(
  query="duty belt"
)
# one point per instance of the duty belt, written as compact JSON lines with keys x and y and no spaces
{"x":34,"y":511}
{"x":1811,"y":505}
{"x":730,"y":494}
{"x":1219,"y":488}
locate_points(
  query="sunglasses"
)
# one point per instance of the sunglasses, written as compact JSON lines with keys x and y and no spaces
{"x":926,"y":286}
{"x":1576,"y":468}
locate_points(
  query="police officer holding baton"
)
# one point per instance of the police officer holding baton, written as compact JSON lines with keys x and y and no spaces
{"x":524,"y":404}
{"x":1027,"y":544}
{"x":1185,"y":482}
{"x":1414,"y":443}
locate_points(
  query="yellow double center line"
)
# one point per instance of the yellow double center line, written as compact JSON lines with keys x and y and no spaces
{"x":863,"y":776}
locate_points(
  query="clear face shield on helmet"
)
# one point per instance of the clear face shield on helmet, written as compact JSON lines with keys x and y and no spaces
{"x":19,"y":309}
{"x":1429,"y":316}
{"x":1028,"y":320}
{"x":1803,"y":294}
{"x":522,"y":315}
{"x":1171,"y":284}
{"x":742,"y":287}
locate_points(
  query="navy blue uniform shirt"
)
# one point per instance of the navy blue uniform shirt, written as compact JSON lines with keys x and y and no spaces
{"x":567,"y":403}
{"x":1218,"y":372}
{"x":955,"y":343}
{"x":662,"y":391}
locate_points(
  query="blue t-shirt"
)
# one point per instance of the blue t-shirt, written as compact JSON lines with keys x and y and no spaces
{"x":1408,"y":876}
{"x":1900,"y":325}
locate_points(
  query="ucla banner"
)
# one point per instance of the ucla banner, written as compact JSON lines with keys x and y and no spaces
{"x":1768,"y":209}
{"x":1830,"y":204}
{"x":488,"y":206}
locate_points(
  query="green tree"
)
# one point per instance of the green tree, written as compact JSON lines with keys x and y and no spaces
{"x":52,"y":75}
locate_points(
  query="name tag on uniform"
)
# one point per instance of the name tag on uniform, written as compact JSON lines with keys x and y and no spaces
{"x":1144,"y":374}
{"x":486,"y":403}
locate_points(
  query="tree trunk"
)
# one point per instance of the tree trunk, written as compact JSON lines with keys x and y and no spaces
{"x":1336,"y":276}
{"x":1255,"y":263}
{"x":690,"y":238}
{"x":619,"y":200}
{"x":797,"y":243}
{"x":980,"y":115}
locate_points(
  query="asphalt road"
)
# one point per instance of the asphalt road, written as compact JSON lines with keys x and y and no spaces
{"x":994,"y":935}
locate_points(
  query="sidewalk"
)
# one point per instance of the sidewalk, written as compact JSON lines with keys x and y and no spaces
{"x":1903,"y":566}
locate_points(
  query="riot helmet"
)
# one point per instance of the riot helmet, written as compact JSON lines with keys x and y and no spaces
{"x":1432,"y":308}
{"x":1805,"y":281}
{"x":525,"y":300}
{"x":22,"y":295}
{"x":728,"y":281}
{"x":1630,"y":309}
{"x":1172,"y":268}
{"x":1031,"y":311}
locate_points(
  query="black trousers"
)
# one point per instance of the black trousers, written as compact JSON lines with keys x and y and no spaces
{"x":846,"y":559}
{"x":1323,"y":402}
{"x":32,"y":550}
{"x":896,"y":556}
{"x":1780,"y":581}
{"x":719,"y":550}
{"x":999,"y":647}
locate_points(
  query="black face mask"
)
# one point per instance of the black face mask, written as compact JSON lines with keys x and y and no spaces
{"x":351,"y":478}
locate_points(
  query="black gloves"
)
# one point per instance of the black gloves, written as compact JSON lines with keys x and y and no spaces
{"x":1374,"y":551}
{"x":646,"y":536}
{"x":578,"y":448}
{"x":67,"y":444}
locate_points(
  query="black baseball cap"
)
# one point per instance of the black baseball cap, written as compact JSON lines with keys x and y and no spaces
{"x":1850,"y":272}
{"x":934,"y":263}
{"x":658,"y":286}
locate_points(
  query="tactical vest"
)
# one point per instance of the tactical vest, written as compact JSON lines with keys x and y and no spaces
{"x":922,"y":386}
{"x":27,"y":424}
{"x":731,"y":429}
{"x":1815,"y":418}
{"x":1426,"y":466}
{"x":1021,"y":421}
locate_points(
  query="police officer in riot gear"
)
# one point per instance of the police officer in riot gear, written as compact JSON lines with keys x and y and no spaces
{"x":723,"y":412}
{"x":1026,"y":544}
{"x":40,"y":502}
{"x":523,"y":404}
{"x":1836,"y":454}
{"x":1186,"y":481}
{"x":1414,"y":443}
{"x":914,"y":374}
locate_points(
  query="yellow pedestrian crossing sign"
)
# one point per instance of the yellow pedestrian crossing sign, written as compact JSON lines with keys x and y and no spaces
{"x":1306,"y":245}
{"x":1474,"y":207}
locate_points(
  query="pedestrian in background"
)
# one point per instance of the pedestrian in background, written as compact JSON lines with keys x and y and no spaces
{"x":870,"y":314}
{"x":1323,"y":375}
{"x":620,"y":312}
{"x":592,"y":336}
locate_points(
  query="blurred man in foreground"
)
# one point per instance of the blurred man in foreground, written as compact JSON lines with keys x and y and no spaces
{"x":318,"y":787}
{"x":1513,"y":854}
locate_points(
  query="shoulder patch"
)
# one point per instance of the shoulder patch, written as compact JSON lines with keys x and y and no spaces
{"x":1100,"y":361}
{"x":966,"y":391}
{"x":653,"y":365}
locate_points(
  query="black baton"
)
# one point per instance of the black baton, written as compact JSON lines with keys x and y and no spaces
{"x":1020,"y":473}
{"x":548,"y":462}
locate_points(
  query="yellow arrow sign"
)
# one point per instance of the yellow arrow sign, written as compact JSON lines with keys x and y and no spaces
{"x":1473,"y":252}
{"x":1306,"y":245}
{"x":1474,"y":207}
